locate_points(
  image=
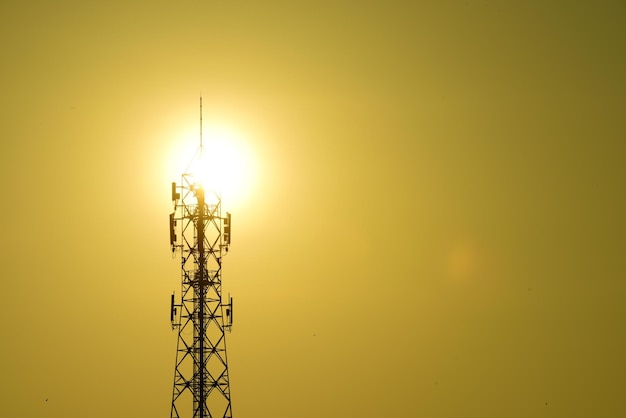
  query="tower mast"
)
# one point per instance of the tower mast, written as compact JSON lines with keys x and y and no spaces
{"x":202,"y":235}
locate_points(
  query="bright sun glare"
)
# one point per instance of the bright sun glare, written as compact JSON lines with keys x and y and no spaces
{"x":226,"y":165}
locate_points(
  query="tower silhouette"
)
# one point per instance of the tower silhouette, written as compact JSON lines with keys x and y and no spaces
{"x":201,"y":235}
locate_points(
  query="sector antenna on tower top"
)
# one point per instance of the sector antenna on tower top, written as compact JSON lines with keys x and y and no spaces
{"x":201,"y":235}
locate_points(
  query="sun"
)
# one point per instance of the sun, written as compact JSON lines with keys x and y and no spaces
{"x":223,"y":164}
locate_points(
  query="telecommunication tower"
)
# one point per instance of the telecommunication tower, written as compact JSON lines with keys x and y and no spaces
{"x":202,"y":236}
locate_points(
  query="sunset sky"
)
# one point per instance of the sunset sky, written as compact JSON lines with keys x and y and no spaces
{"x":428,"y":215}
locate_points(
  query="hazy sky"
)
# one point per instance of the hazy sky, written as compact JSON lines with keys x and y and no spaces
{"x":433,"y":224}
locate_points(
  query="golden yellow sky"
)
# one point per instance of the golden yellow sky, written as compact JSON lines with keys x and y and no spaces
{"x":435,"y":228}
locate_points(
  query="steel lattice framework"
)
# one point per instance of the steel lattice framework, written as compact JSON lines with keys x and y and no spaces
{"x":201,"y":235}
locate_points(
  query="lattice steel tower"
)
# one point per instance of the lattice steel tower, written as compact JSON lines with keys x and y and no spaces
{"x":202,"y":236}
